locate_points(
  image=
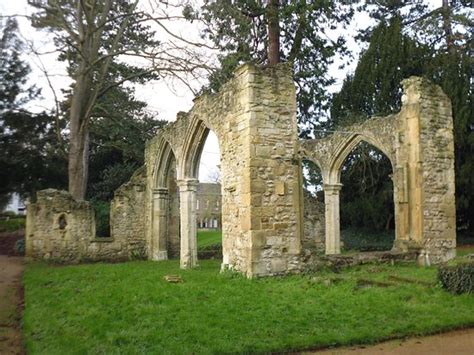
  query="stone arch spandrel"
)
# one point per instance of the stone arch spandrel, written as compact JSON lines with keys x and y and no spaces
{"x":330,"y":152}
{"x":194,"y":141}
{"x":378,"y":132}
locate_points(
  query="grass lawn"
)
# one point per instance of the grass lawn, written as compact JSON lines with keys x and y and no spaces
{"x":129,"y":308}
{"x":207,"y":238}
{"x":465,"y":250}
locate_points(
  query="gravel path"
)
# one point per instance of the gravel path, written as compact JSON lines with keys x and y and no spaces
{"x":459,"y":342}
{"x":11,"y":304}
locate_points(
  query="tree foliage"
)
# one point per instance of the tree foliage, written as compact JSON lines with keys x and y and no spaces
{"x":375,"y":87}
{"x":30,"y":156}
{"x":438,"y":50}
{"x":240,"y":29}
{"x":95,"y":37}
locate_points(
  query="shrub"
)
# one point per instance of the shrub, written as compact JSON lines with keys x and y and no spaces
{"x":213,"y":251}
{"x":12,"y":224}
{"x":8,"y":214}
{"x":366,"y":240}
{"x":20,"y":246}
{"x":457,"y":278}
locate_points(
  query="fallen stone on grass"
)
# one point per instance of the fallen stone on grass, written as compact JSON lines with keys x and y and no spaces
{"x":173,"y":278}
{"x":365,"y":283}
{"x":326,"y":281}
{"x":410,"y":281}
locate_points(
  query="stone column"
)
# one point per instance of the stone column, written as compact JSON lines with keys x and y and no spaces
{"x":333,"y":232}
{"x":160,"y":223}
{"x":187,"y":198}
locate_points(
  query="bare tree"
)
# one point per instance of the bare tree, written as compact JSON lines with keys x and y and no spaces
{"x":92,"y":35}
{"x":214,"y":175}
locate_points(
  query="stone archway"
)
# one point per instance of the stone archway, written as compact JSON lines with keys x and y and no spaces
{"x":333,"y":187}
{"x":256,"y":130}
{"x":254,"y":118}
{"x":188,"y":172}
{"x":163,"y":221}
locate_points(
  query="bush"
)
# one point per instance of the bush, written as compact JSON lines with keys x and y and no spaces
{"x":12,"y":224}
{"x":365,"y":240}
{"x":20,"y":246}
{"x":457,"y":278}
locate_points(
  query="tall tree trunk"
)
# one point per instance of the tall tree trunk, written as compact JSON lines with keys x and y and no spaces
{"x":78,"y":164}
{"x":273,"y":32}
{"x":448,"y":31}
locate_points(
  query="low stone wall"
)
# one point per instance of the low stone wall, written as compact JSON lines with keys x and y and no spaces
{"x":58,"y":228}
{"x":61,"y":229}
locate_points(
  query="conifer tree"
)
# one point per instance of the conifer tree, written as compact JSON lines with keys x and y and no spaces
{"x":374,"y":89}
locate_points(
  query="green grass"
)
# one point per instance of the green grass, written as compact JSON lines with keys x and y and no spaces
{"x":206,"y":238}
{"x":464,"y":250}
{"x":12,"y":224}
{"x":129,"y":309}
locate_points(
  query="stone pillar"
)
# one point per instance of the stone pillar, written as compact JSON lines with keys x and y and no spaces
{"x":160,"y":223}
{"x":187,"y":194}
{"x":333,"y":232}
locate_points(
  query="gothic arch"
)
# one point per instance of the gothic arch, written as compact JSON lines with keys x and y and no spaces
{"x":345,"y":147}
{"x":192,"y":149}
{"x":163,"y":162}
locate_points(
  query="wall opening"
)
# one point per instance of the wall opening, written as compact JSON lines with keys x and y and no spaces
{"x":166,"y":219}
{"x":209,"y":200}
{"x":366,"y":200}
{"x":313,"y":236}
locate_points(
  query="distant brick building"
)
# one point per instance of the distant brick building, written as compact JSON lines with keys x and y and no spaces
{"x":208,"y":206}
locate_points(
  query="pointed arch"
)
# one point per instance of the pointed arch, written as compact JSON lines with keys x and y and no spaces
{"x":164,"y":161}
{"x":194,"y":143}
{"x":345,"y":147}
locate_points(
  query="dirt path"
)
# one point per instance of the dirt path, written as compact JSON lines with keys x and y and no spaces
{"x":459,"y":342}
{"x":11,"y":298}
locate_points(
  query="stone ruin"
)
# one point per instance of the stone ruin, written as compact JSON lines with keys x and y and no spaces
{"x":263,"y":222}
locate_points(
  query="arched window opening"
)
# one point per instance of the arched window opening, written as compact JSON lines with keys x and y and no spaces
{"x":209,"y":232}
{"x":366,"y":200}
{"x":313,"y":237}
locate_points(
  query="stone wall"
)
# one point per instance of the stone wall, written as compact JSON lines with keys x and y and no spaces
{"x":419,"y":143}
{"x":437,"y":170}
{"x":314,"y":225}
{"x":254,"y":119}
{"x":127,"y":225}
{"x":61,"y":229}
{"x":58,"y":228}
{"x":265,"y":229}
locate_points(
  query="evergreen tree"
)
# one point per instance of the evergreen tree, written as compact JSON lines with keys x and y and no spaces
{"x":13,"y":71}
{"x":374,"y":89}
{"x":30,"y":155}
{"x":246,"y":31}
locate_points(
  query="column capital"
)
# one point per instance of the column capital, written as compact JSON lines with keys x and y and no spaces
{"x":332,"y":188}
{"x":187,"y":184}
{"x":160,"y":191}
